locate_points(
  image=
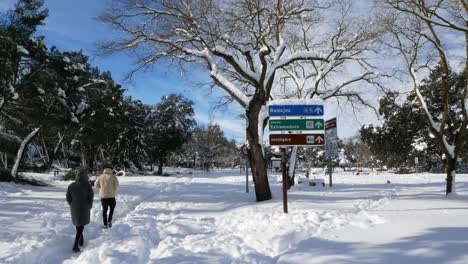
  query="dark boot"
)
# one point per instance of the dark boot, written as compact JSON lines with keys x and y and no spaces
{"x":78,"y":238}
{"x":75,"y":245}
{"x":81,"y":242}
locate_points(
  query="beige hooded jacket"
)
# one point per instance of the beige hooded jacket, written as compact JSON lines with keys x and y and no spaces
{"x":107,"y":183}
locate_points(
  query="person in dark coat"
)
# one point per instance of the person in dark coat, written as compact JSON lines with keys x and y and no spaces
{"x":80,"y":198}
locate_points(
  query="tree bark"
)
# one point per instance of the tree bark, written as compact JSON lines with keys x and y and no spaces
{"x":160,"y":166}
{"x":83,"y":155}
{"x":258,"y":164}
{"x":4,"y":158}
{"x":292,"y":166}
{"x":19,"y":155}
{"x":91,"y":155}
{"x":46,"y":152}
{"x":451,"y":165}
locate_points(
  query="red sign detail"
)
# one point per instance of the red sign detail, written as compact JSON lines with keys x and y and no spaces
{"x":330,"y":123}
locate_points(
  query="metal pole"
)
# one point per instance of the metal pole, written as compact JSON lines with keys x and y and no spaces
{"x":246,"y":173}
{"x":246,"y":160}
{"x":330,"y":171}
{"x":285,"y":189}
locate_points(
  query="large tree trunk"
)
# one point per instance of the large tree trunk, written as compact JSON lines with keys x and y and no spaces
{"x":57,"y":148}
{"x":4,"y":158}
{"x":84,"y":156}
{"x":138,"y":165}
{"x":160,"y":166}
{"x":258,"y":164}
{"x":19,"y":155}
{"x":292,"y":166}
{"x":91,"y":155}
{"x":46,"y":152}
{"x":451,"y":165}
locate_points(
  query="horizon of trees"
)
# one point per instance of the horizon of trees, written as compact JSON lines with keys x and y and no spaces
{"x":56,"y":105}
{"x":56,"y":110}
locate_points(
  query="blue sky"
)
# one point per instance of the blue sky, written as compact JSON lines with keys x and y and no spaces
{"x":71,"y":25}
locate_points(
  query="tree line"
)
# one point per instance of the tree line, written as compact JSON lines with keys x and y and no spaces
{"x":405,"y":137}
{"x":260,"y":51}
{"x":404,"y":142}
{"x":56,"y":110}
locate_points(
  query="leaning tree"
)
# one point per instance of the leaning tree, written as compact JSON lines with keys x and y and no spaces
{"x":244,"y":45}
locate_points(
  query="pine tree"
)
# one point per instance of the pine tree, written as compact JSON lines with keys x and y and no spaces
{"x":170,"y":124}
{"x":405,"y":134}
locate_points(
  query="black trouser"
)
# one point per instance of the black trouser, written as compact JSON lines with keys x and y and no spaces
{"x":79,"y":236}
{"x":106,"y":203}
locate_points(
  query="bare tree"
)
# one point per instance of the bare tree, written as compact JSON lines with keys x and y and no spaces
{"x":244,"y":44}
{"x":425,"y":33}
{"x":350,"y":46}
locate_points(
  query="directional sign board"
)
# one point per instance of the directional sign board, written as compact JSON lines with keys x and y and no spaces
{"x":331,"y":139}
{"x":296,"y":124}
{"x":295,"y":110}
{"x":330,"y":129}
{"x":297,"y":139}
{"x":290,"y":125}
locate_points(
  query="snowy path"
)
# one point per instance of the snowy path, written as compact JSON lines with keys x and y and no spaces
{"x":45,"y":233}
{"x":208,"y":218}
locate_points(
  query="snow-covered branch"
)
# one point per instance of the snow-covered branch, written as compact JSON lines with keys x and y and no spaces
{"x":14,"y":170}
{"x":228,"y":86}
{"x":430,"y":14}
{"x":296,"y":56}
{"x":368,"y":77}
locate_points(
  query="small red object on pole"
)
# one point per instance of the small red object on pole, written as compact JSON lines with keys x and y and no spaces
{"x":285,"y":187}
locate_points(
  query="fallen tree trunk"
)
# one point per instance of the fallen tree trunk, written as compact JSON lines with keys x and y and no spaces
{"x":19,"y":155}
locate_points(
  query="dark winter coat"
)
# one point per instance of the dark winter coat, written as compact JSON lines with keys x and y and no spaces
{"x":80,"y":198}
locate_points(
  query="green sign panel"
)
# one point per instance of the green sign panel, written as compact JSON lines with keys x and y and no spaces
{"x":296,"y":124}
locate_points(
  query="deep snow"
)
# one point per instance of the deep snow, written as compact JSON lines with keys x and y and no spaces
{"x":208,"y":218}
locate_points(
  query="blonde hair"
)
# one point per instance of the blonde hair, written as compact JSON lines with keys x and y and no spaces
{"x":108,"y":171}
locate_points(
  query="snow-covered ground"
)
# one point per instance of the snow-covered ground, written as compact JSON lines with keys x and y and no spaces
{"x":208,"y":218}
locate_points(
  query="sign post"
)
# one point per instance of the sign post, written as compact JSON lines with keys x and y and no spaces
{"x":284,"y":177}
{"x":295,"y":123}
{"x":416,"y":162}
{"x":247,"y":174}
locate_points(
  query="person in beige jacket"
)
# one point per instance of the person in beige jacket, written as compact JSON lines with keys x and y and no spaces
{"x":108,"y":184}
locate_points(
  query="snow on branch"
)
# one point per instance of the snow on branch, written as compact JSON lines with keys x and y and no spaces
{"x":429,"y":14}
{"x":234,"y":62}
{"x":228,"y":86}
{"x":296,"y":56}
{"x":96,"y":81}
{"x":14,"y":169}
{"x":368,"y":77}
{"x":450,"y":149}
